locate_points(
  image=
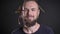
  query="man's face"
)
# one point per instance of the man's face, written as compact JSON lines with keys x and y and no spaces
{"x":31,"y":10}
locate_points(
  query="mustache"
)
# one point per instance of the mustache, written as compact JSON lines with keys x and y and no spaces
{"x":29,"y":16}
{"x":25,"y":18}
{"x":23,"y":21}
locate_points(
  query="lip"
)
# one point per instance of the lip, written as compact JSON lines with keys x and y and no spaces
{"x":30,"y":16}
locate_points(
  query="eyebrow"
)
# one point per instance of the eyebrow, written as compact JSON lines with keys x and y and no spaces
{"x":31,"y":8}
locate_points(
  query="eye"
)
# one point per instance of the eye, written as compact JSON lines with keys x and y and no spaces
{"x":33,"y":9}
{"x":25,"y":10}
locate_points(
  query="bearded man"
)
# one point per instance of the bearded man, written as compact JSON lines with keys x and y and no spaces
{"x":30,"y":11}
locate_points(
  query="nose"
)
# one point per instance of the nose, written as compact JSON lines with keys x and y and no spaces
{"x":29,"y":12}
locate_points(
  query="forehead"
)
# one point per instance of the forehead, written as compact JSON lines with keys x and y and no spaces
{"x":30,"y":4}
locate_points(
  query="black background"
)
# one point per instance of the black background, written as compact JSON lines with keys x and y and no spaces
{"x":9,"y":17}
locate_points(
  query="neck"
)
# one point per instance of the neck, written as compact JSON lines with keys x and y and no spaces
{"x":31,"y":29}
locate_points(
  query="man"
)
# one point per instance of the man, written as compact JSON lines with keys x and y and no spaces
{"x":29,"y":13}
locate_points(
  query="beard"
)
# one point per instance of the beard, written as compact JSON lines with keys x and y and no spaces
{"x":27,"y":22}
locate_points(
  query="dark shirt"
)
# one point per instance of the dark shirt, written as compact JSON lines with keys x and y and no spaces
{"x":42,"y":30}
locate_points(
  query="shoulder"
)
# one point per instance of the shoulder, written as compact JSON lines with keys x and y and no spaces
{"x":17,"y":31}
{"x":47,"y":29}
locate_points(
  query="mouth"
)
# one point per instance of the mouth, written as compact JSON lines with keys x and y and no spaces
{"x":30,"y":16}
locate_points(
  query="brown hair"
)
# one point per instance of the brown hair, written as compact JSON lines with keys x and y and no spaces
{"x":19,"y":10}
{"x":20,"y":7}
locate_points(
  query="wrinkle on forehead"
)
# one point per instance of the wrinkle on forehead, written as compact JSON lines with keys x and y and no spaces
{"x":30,"y":4}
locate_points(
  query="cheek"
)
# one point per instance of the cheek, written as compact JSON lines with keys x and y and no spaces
{"x":24,"y":13}
{"x":36,"y":14}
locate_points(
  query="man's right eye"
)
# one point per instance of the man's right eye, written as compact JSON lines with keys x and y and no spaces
{"x":26,"y":10}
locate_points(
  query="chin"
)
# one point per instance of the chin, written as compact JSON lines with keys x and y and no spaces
{"x":31,"y":19}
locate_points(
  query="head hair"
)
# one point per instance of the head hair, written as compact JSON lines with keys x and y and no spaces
{"x":19,"y":10}
{"x":24,"y":1}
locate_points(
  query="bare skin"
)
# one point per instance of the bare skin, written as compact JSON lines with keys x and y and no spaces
{"x":31,"y":12}
{"x":32,"y":29}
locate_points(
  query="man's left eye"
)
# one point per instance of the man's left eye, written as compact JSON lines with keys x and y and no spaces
{"x":33,"y":9}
